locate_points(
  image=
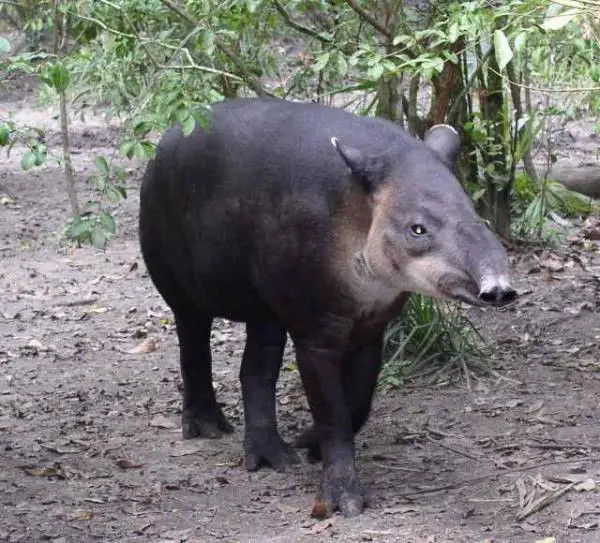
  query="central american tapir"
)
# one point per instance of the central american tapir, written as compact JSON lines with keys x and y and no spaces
{"x":308,"y":220}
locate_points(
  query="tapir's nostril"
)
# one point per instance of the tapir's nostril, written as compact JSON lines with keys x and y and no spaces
{"x":498,"y":296}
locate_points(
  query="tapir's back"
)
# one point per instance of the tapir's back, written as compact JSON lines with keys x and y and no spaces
{"x":258,"y":144}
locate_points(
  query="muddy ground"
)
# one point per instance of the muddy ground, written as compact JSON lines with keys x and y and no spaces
{"x":90,"y":445}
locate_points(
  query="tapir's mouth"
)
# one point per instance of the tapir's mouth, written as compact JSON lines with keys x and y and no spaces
{"x":468,"y":291}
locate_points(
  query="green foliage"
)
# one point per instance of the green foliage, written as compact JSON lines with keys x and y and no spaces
{"x":430,"y":338}
{"x":29,"y":140}
{"x":547,"y":202}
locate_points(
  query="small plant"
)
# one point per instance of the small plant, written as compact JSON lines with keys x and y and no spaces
{"x":430,"y":338}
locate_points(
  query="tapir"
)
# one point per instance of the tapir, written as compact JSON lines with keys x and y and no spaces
{"x":306,"y":220}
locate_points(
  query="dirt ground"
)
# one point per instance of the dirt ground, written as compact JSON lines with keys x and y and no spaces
{"x":90,"y":444}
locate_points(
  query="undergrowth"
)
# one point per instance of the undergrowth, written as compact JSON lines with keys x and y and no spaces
{"x":431,"y":339}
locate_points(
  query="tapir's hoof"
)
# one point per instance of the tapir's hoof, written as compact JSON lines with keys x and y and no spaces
{"x":338,"y":493}
{"x":264,"y":448}
{"x":349,"y":504}
{"x":210,"y":425}
{"x":308,"y":440}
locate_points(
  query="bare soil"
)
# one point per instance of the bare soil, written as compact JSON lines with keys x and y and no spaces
{"x":90,"y":443}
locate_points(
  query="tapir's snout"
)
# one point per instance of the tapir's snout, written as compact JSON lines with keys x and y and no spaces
{"x":498,"y":295}
{"x":497,"y":291}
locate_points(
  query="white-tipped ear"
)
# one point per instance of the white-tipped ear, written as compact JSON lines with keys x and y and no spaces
{"x":368,"y":169}
{"x":445,"y":140}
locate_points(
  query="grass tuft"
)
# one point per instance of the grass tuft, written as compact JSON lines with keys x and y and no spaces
{"x":431,"y":339}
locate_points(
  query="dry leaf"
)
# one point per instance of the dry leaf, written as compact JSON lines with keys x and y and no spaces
{"x":96,"y":310}
{"x":37,"y":346}
{"x":320,"y":527}
{"x":145,"y":347}
{"x":160,"y":421}
{"x":124,"y":463}
{"x":588,"y":485}
{"x":82,"y":514}
{"x":47,"y":471}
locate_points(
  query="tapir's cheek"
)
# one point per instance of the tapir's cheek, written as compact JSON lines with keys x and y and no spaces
{"x":423,"y":274}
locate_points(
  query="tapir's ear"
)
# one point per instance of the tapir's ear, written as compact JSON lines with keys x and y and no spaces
{"x":368,"y":169}
{"x":445,"y":140}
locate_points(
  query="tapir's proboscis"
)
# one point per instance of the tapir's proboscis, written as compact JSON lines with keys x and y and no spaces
{"x":308,"y":220}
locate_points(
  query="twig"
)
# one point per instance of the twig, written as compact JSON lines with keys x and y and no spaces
{"x":369,"y":18}
{"x":542,"y":89}
{"x":558,"y":445}
{"x":252,"y":81}
{"x":397,"y":468}
{"x":450,"y":448}
{"x":297,"y":26}
{"x":544,"y":501}
{"x":76,"y":303}
{"x":480,"y":478}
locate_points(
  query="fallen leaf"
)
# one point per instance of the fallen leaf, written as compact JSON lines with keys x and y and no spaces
{"x":124,"y":463}
{"x":82,"y":514}
{"x":145,"y":347}
{"x":588,"y":485}
{"x":47,"y":471}
{"x":528,"y":526}
{"x":60,"y":450}
{"x":288,"y":509}
{"x":96,"y":310}
{"x":36,"y":345}
{"x":535,"y":406}
{"x":546,"y":540}
{"x":320,"y":527}
{"x":160,"y":421}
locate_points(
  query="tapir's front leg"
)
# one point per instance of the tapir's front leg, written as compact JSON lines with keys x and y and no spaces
{"x":320,"y":356}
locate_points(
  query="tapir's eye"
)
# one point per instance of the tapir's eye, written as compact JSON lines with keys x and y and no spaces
{"x":418,"y":230}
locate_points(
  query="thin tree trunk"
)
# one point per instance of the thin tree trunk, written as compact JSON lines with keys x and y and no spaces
{"x":64,"y":116}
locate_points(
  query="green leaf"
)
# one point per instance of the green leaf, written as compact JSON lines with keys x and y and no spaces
{"x":28,"y":161}
{"x":98,"y":238}
{"x":80,"y":226}
{"x":4,"y":45}
{"x":187,"y":125}
{"x":502,"y":49}
{"x":108,"y":222}
{"x":102,"y":165}
{"x":556,"y":22}
{"x":60,"y":77}
{"x":520,"y":41}
{"x":4,"y":134}
{"x":113,"y":194}
{"x":321,"y":62}
{"x":40,"y":155}
{"x":127,"y":148}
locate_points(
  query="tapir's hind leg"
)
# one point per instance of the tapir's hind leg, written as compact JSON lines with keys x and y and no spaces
{"x":261,"y":363}
{"x":201,"y":417}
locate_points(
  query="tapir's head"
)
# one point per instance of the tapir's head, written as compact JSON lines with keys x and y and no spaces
{"x":425,"y":236}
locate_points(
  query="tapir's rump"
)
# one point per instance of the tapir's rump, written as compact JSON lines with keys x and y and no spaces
{"x":307,"y":220}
